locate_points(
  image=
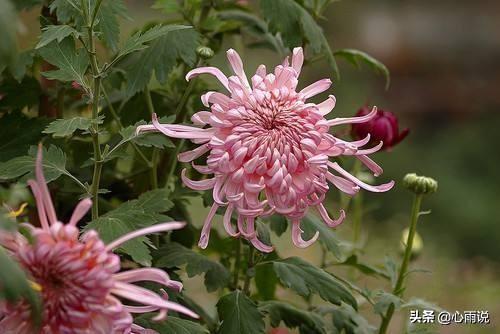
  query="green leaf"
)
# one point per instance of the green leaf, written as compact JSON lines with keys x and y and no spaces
{"x":363,"y":267}
{"x":66,"y":10}
{"x":175,"y":255}
{"x":294,"y":23}
{"x":239,"y":314}
{"x":266,"y":282}
{"x":278,"y":224}
{"x":139,"y":40}
{"x":55,"y":33}
{"x":66,"y":127}
{"x":130,"y":216}
{"x":15,"y":286}
{"x":307,"y":279}
{"x":153,"y":140}
{"x":308,"y":322}
{"x":420,"y":303}
{"x":54,"y":165}
{"x":355,"y":57}
{"x":172,"y":325}
{"x":179,"y":43}
{"x":347,"y":320}
{"x":392,"y":270}
{"x":18,"y":133}
{"x":311,"y":224}
{"x":384,"y":300}
{"x":167,"y":6}
{"x":72,"y":63}
{"x":108,"y":23}
{"x":8,"y":24}
{"x":18,"y":66}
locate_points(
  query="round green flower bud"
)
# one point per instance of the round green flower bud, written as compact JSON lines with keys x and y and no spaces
{"x":418,"y":243}
{"x":420,"y":184}
{"x":205,"y":52}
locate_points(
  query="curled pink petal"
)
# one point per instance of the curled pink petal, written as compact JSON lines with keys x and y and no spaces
{"x":316,"y":88}
{"x":297,"y":236}
{"x":205,"y":232}
{"x":81,"y":209}
{"x":208,"y":70}
{"x":326,"y":218}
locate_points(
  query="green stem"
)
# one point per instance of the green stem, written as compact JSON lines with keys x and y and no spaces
{"x":96,"y":93}
{"x":154,"y":157}
{"x":250,"y":267}
{"x":399,"y":287}
{"x":357,"y":206}
{"x":237,"y":264}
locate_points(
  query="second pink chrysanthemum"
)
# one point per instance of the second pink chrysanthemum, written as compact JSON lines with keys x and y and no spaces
{"x":268,"y":149}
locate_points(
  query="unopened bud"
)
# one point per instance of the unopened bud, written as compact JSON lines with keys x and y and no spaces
{"x":417,"y":245}
{"x":420,"y":184}
{"x":205,"y":52}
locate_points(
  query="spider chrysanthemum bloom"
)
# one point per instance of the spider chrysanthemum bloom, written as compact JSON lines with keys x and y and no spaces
{"x":78,"y":277}
{"x":268,"y":148}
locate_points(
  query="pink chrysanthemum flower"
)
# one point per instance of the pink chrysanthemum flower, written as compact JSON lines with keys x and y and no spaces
{"x":78,"y":277}
{"x":269,"y":148}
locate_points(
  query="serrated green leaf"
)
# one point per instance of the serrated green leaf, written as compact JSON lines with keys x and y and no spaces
{"x":18,"y":67}
{"x":66,"y":10}
{"x":306,"y":279}
{"x":55,"y":33}
{"x":160,"y":57}
{"x":392,"y":269}
{"x":18,"y":133}
{"x":153,"y":140}
{"x":173,"y":325}
{"x":311,"y":224}
{"x":15,"y":286}
{"x":355,"y":57}
{"x":66,"y":127}
{"x":420,"y":303}
{"x":347,"y":320}
{"x":293,"y":317}
{"x":130,"y":216}
{"x":139,"y":40}
{"x":384,"y":300}
{"x":167,"y":6}
{"x":294,"y":24}
{"x":54,"y":165}
{"x":108,"y":23}
{"x":72,"y":63}
{"x":175,"y":255}
{"x":239,"y":314}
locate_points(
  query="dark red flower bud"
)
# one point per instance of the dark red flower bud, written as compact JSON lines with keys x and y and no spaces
{"x":383,"y":127}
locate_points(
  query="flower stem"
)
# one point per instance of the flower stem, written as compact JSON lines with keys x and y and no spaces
{"x":399,"y":287}
{"x":357,"y":206}
{"x":154,"y":157}
{"x":237,"y":264}
{"x":96,"y":93}
{"x":250,"y":268}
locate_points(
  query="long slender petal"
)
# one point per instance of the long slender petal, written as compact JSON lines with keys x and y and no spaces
{"x":42,"y":186}
{"x":353,"y":120}
{"x":147,"y":230}
{"x":297,"y":235}
{"x":207,"y":225}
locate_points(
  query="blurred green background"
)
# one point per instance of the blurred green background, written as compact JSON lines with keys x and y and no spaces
{"x":445,"y":81}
